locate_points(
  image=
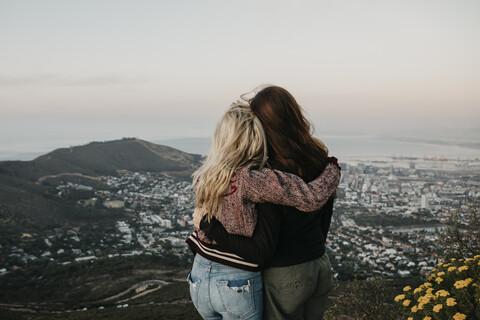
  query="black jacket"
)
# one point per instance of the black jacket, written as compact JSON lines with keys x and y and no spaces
{"x":283,"y":236}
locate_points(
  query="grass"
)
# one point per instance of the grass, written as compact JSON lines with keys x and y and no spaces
{"x":176,"y":311}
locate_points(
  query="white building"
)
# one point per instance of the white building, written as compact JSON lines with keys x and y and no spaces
{"x":424,"y":202}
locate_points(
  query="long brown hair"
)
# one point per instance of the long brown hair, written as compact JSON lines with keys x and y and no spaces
{"x":291,"y":146}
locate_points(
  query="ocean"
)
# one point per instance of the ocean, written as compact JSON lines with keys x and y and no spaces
{"x":350,"y":146}
{"x":343,"y":147}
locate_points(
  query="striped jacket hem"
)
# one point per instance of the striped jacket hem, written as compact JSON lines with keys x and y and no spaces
{"x":216,"y":254}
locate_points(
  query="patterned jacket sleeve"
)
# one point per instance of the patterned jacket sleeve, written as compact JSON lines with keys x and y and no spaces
{"x":278,"y":187}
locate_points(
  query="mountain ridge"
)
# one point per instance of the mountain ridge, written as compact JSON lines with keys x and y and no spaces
{"x":28,"y":188}
{"x":106,"y":158}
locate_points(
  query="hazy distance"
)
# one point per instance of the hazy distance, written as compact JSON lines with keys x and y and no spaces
{"x":73,"y":72}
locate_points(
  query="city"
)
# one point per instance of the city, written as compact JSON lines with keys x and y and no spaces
{"x":387,"y":214}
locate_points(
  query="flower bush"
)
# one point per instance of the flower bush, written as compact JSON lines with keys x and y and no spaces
{"x":451,"y":292}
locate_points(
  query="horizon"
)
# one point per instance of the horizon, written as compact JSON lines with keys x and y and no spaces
{"x":345,"y":147}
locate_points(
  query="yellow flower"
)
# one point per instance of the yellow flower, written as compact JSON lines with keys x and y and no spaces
{"x":439,"y":280}
{"x":441,"y":273}
{"x":429,"y":291}
{"x":468,"y":280}
{"x":462,"y":268}
{"x":477,"y":256}
{"x":407,"y":288}
{"x":409,"y":318}
{"x":414,"y":309}
{"x":442,"y":293}
{"x":439,"y":264}
{"x":451,"y":302}
{"x":417,"y":290}
{"x":427,"y":284}
{"x":459,"y":316}
{"x":424,"y":299}
{"x":460,"y":284}
{"x":469,"y":259}
{"x":460,"y":259}
{"x":437,"y":308}
{"x":399,"y":297}
{"x":453,"y":259}
{"x":406,"y":303}
{"x":427,"y":318}
{"x":451,"y":269}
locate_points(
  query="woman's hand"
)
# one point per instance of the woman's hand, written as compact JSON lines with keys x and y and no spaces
{"x":197,"y":217}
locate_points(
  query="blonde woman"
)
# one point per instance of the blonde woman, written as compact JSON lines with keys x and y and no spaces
{"x":233,"y":178}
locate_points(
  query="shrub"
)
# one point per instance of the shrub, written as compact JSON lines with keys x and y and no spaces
{"x":452,"y":291}
{"x":366,"y":300}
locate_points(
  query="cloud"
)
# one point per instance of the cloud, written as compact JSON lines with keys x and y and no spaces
{"x":25,"y":80}
{"x":62,"y":80}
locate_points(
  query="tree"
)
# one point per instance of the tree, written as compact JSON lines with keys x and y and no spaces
{"x":461,"y":237}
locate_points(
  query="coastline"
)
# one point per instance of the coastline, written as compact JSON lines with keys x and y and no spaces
{"x":345,"y":147}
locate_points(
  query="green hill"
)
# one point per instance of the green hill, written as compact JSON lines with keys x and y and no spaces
{"x":105,"y":158}
{"x":27,"y":188}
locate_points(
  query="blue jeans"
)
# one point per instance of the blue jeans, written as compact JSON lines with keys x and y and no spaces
{"x":222,"y":292}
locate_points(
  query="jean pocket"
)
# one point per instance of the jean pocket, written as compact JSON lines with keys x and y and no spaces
{"x":237,"y":296}
{"x":194,"y":287}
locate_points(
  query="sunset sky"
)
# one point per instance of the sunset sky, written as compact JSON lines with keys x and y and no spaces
{"x":92,"y":70}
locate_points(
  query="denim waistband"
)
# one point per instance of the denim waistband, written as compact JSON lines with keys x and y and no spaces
{"x":207,"y":264}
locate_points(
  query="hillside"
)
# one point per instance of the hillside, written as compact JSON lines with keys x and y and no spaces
{"x":28,"y":200}
{"x":105,"y":158}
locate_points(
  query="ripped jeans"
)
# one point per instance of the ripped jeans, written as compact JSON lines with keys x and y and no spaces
{"x":222,"y":292}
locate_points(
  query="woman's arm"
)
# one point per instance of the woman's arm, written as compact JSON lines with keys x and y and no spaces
{"x":267,"y":185}
{"x":260,"y":247}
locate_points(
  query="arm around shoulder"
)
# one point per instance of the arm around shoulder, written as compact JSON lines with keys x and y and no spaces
{"x":267,"y":185}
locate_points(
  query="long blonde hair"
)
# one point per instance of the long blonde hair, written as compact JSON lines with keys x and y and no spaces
{"x":239,"y":139}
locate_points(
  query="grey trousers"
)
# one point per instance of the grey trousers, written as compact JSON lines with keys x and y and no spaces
{"x":297,"y":292}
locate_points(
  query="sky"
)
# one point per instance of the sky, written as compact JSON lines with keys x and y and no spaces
{"x":77,"y":71}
